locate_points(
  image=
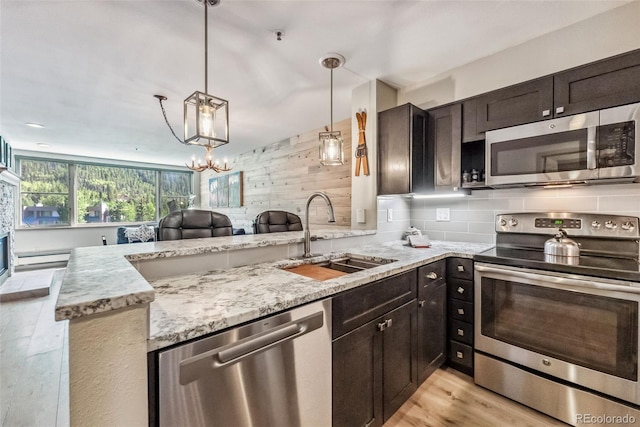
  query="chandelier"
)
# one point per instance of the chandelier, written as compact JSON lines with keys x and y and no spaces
{"x":206,"y":117}
{"x":331,"y":144}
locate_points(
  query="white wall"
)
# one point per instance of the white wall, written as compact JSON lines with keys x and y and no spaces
{"x":372,"y":97}
{"x":601,"y":36}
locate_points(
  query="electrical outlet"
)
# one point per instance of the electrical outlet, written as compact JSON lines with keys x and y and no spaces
{"x":443,"y":214}
{"x":389,"y":215}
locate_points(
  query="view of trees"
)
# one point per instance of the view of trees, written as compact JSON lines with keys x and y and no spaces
{"x":104,"y":193}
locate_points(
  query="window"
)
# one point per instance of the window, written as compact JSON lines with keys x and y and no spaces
{"x":115,"y":194}
{"x":103,"y":193}
{"x":175,"y":188}
{"x":44,"y":194}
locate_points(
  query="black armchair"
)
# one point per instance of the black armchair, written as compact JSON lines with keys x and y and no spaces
{"x":276,"y":221}
{"x":193,"y":224}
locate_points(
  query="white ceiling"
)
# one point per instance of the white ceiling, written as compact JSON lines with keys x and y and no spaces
{"x":88,"y":69}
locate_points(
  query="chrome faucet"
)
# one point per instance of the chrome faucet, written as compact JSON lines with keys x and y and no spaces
{"x":307,"y":234}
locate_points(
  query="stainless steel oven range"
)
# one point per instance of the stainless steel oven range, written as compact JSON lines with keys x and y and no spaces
{"x":560,"y":334}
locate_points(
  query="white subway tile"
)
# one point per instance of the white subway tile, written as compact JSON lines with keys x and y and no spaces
{"x":567,"y":204}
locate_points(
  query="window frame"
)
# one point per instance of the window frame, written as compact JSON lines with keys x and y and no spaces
{"x":73,"y":190}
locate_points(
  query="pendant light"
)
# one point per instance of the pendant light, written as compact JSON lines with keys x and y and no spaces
{"x":206,"y":117}
{"x":331,"y":144}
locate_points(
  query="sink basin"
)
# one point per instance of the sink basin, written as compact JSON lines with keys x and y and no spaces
{"x":352,"y":264}
{"x":330,"y":269}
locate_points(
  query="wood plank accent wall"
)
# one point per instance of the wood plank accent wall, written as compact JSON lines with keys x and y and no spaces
{"x":281,"y":176}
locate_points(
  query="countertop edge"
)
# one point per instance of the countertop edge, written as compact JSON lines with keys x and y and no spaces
{"x":120,"y":285}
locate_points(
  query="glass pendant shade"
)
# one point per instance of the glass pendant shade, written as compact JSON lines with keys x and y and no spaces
{"x":206,"y":120}
{"x":331,"y":148}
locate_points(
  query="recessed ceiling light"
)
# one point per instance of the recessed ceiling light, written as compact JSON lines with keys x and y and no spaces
{"x":42,"y":144}
{"x":34,"y":125}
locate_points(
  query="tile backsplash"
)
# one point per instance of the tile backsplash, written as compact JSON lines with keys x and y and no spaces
{"x":472,"y":218}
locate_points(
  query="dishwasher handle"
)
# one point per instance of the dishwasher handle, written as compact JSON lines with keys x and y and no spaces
{"x":194,"y":367}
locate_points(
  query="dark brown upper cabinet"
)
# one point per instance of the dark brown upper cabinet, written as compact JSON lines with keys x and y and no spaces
{"x":402,"y":159}
{"x":469,"y":126}
{"x":608,"y":83}
{"x":444,"y":138}
{"x":514,"y":105}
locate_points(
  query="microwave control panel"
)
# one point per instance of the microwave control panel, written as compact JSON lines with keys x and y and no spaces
{"x":616,"y":144}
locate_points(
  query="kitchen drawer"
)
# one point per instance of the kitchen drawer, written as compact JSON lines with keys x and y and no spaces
{"x":461,"y":354}
{"x":461,"y":310}
{"x":460,"y":289}
{"x":461,"y":268}
{"x":356,"y":307}
{"x":461,"y":331}
{"x":429,"y":274}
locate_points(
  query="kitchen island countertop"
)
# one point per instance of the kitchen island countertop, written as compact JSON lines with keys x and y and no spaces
{"x":193,"y":305}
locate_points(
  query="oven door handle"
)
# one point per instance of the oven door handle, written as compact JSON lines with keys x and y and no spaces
{"x":508,"y":274}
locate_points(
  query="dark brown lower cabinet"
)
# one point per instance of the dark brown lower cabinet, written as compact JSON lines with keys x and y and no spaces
{"x":375,"y":368}
{"x":432,"y":329}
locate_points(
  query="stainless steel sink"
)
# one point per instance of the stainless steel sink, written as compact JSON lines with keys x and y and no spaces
{"x":351,"y":264}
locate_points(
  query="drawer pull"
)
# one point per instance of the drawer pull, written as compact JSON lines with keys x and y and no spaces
{"x":546,"y":113}
{"x":461,"y":311}
{"x":559,"y":110}
{"x":389,"y":323}
{"x":459,"y":355}
{"x":460,"y":290}
{"x":432,"y":275}
{"x":460,"y":268}
{"x":460,"y":332}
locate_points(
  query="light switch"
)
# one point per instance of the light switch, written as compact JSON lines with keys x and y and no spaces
{"x":360,"y":217}
{"x":389,"y":215}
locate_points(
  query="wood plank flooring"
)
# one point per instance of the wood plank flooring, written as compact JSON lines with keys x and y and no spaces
{"x":451,"y":398}
{"x":34,"y":374}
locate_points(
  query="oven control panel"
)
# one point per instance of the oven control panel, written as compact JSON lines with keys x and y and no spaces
{"x":564,"y":223}
{"x":576,"y":224}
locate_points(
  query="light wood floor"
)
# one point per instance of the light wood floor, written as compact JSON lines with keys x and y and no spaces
{"x":450,"y":398}
{"x":34,"y":388}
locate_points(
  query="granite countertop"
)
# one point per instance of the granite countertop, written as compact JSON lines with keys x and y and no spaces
{"x":193,"y":305}
{"x":101,"y":278}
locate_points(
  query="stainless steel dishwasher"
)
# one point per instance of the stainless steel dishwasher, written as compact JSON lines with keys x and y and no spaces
{"x":272,"y":372}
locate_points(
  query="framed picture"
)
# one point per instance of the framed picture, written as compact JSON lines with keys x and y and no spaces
{"x":235,"y":190}
{"x":213,"y":192}
{"x":223,"y":191}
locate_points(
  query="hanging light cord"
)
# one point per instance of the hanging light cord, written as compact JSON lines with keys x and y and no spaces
{"x":331,"y":102}
{"x":164,"y":113}
{"x":206,"y":48}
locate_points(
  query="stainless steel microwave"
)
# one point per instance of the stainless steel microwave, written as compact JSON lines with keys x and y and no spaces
{"x":597,"y":145}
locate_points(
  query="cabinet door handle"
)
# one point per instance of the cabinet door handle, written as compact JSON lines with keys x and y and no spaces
{"x":421,"y":303}
{"x":384,"y":325}
{"x":459,"y":355}
{"x":460,"y":290}
{"x":559,"y":110}
{"x":461,"y":268}
{"x":461,"y":311}
{"x":546,"y":113}
{"x":432,"y":275}
{"x":460,"y":332}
